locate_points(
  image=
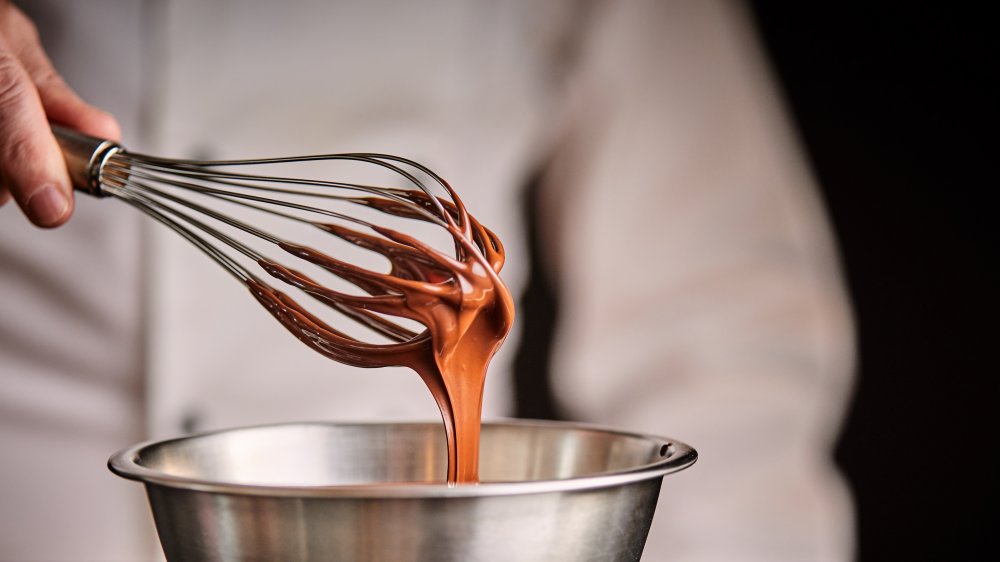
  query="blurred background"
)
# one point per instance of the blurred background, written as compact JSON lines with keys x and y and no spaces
{"x":895,"y":104}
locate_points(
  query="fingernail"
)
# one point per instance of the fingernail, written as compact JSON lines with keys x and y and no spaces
{"x":47,"y":205}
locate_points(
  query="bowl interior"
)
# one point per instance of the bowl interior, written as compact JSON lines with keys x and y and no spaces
{"x":320,"y":454}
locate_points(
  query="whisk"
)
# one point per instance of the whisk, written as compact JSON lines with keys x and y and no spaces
{"x":169,"y":191}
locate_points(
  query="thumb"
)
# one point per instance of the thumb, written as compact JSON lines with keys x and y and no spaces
{"x":31,"y":164}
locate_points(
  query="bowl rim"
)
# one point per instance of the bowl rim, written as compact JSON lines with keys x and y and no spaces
{"x":677,"y":456}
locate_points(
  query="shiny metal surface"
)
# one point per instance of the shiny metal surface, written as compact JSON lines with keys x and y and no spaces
{"x":197,"y":198}
{"x":85,"y":157}
{"x":375,"y":492}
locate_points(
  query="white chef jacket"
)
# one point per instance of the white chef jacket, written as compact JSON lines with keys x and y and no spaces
{"x":699,"y":285}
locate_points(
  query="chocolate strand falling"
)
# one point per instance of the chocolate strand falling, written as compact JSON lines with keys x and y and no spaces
{"x":465,"y":308}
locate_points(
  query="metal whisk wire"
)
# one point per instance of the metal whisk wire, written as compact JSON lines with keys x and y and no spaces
{"x":133,"y":178}
{"x":156,"y":186}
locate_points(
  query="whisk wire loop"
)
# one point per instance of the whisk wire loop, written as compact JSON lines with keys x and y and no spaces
{"x":180,"y":194}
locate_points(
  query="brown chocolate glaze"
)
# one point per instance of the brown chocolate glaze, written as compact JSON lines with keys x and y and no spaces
{"x":465,"y":307}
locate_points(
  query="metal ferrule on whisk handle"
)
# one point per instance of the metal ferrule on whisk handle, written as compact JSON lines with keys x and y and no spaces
{"x":85,"y":157}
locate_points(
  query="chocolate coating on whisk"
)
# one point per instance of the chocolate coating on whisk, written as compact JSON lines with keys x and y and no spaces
{"x":462,"y":302}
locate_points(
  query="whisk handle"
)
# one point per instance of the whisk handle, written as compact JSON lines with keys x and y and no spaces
{"x":85,"y":156}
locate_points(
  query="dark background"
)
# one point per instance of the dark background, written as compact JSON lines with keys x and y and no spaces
{"x":894,"y":106}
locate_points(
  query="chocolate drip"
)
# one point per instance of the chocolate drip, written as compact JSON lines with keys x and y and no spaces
{"x":460,"y":300}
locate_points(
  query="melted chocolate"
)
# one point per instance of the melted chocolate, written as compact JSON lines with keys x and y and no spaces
{"x":460,"y":299}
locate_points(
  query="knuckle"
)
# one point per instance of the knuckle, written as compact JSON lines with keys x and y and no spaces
{"x":13,"y":86}
{"x":16,"y":144}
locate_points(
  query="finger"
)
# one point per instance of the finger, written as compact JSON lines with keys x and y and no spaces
{"x":31,"y":164}
{"x":62,"y":105}
{"x":4,"y":196}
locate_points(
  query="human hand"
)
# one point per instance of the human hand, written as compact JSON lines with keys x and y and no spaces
{"x":32,"y":94}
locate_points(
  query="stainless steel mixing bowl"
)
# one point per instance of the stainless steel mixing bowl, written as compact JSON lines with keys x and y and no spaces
{"x":374,"y":492}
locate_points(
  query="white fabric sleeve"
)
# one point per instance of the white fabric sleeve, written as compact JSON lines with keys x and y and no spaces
{"x":700,"y":293}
